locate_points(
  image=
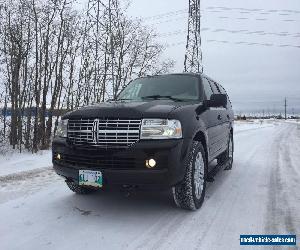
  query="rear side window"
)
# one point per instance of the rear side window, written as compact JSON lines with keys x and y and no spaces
{"x":207,"y":88}
{"x":214,"y":87}
{"x":223,"y":91}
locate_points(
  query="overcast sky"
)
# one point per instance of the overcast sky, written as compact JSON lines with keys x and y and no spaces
{"x":255,"y":76}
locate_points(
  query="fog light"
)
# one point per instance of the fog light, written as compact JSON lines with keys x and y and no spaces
{"x":58,"y":157}
{"x":151,"y":163}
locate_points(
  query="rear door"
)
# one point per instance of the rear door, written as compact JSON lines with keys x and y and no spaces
{"x":226,"y":119}
{"x":220,"y":138}
{"x":211,"y":119}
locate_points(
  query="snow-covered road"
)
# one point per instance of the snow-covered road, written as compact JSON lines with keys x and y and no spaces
{"x":259,"y":196}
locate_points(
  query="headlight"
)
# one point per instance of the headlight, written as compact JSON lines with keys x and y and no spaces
{"x":161,"y":129}
{"x":62,"y":128}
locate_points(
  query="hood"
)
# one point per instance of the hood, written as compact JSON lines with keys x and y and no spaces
{"x":123,"y":109}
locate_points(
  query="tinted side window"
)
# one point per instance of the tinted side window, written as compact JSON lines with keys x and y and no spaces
{"x":223,"y":91}
{"x":207,"y":88}
{"x":214,"y":87}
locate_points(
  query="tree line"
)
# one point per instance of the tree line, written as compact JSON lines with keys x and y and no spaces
{"x":56,"y":57}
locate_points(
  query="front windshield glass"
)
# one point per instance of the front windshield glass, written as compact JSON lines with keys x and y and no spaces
{"x":175,"y":87}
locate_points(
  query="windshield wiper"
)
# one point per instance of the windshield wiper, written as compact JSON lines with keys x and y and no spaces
{"x":156,"y":97}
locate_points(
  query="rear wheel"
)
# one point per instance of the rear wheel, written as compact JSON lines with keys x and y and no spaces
{"x":79,"y":189}
{"x":190,"y":193}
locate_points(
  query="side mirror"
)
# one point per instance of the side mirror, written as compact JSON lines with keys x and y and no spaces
{"x":217,"y":100}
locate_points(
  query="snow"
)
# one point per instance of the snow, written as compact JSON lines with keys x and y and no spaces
{"x":295,"y":121}
{"x":259,"y":196}
{"x":253,"y":124}
{"x":15,"y":162}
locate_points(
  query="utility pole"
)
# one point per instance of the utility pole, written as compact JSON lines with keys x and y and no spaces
{"x":193,"y":53}
{"x":285,"y":105}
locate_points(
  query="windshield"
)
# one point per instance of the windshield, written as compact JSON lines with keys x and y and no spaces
{"x":174,"y":87}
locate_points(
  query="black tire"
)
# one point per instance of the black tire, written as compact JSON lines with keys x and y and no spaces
{"x":184,"y":193}
{"x":227,"y":156}
{"x":79,"y":189}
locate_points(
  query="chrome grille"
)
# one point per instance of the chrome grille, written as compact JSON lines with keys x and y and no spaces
{"x":104,"y":132}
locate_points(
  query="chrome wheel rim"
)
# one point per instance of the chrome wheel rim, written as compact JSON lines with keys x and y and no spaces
{"x":230,"y":149}
{"x":199,"y":175}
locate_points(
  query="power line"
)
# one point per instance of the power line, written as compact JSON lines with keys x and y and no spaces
{"x":220,"y":9}
{"x":166,"y":14}
{"x":254,"y":10}
{"x":247,"y":43}
{"x":254,"y":43}
{"x":231,"y":18}
{"x":244,"y":31}
{"x":247,"y":32}
{"x":168,"y":21}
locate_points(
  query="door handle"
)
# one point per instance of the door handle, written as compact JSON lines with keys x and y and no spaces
{"x":219,"y":117}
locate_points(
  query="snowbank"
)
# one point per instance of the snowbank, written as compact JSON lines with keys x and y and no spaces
{"x":16,"y":162}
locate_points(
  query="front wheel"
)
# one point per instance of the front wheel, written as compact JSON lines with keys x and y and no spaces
{"x":190,"y":193}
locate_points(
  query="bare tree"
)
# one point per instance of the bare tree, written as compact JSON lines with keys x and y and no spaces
{"x":54,"y":59}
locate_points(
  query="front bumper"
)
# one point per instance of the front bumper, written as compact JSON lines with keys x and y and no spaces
{"x":125,"y":166}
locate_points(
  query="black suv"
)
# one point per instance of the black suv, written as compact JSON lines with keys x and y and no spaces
{"x":161,"y":132}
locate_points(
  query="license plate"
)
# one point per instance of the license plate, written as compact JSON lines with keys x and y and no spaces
{"x":90,"y":178}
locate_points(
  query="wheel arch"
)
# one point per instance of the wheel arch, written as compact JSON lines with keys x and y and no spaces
{"x":201,"y":137}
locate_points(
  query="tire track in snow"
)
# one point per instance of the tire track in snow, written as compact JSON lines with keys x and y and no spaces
{"x":200,"y":223}
{"x":233,"y":198}
{"x":251,"y":129}
{"x":23,"y":175}
{"x":284,"y":200}
{"x":287,"y":165}
{"x":159,"y":232}
{"x":20,"y":184}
